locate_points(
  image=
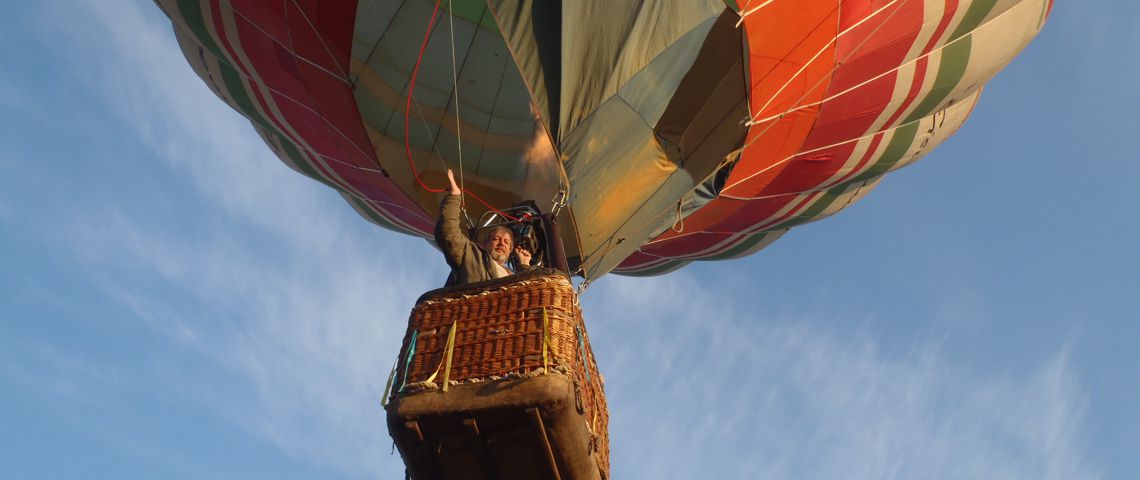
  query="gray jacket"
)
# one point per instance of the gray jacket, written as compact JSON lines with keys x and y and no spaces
{"x":469,"y":263}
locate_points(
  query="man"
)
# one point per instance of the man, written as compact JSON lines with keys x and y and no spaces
{"x":470,"y":262}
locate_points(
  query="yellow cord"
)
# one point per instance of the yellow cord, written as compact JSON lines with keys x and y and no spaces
{"x":450,"y":351}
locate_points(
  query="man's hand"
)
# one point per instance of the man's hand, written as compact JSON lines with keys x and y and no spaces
{"x":454,"y":187}
{"x":523,"y":255}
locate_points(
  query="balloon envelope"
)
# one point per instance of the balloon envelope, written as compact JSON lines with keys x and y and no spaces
{"x":671,"y":131}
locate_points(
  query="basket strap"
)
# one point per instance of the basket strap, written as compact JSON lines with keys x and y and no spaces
{"x":445,"y":363}
{"x":408,"y":359}
{"x":450,"y":353}
{"x":582,"y":351}
{"x":388,"y":384}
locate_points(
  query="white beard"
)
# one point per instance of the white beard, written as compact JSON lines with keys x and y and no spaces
{"x":499,"y":258}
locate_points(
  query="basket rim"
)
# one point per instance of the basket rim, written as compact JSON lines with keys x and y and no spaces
{"x":489,"y":285}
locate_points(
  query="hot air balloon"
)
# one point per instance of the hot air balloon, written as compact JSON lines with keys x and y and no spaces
{"x":653,"y":133}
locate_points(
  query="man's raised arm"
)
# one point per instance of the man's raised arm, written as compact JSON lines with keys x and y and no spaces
{"x":448,"y":235}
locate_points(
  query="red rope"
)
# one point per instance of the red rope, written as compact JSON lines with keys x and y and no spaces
{"x":408,"y":106}
{"x":408,"y":111}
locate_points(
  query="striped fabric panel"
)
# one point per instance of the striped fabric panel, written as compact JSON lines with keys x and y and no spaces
{"x":831,"y":202}
{"x":641,"y":265}
{"x":874,"y":118}
{"x":725,"y":246}
{"x":899,"y":147}
{"x":886,"y":151}
{"x":284,"y":67}
{"x":786,"y":70}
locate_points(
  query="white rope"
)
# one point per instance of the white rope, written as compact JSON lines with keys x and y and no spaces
{"x":746,"y":12}
{"x":252,"y":80}
{"x":821,"y":51}
{"x":827,"y":186}
{"x":455,"y":89}
{"x":797,"y":104}
{"x":344,"y":76}
{"x":290,"y":50}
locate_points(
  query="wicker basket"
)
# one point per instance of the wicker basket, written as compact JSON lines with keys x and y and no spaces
{"x":506,"y":330}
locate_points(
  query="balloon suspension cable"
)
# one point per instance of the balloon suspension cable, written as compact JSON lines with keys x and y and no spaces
{"x":408,"y":111}
{"x":581,"y":289}
{"x":580,"y":272}
{"x":582,"y":269}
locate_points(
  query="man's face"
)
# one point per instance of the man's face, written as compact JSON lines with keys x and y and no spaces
{"x":499,"y":244}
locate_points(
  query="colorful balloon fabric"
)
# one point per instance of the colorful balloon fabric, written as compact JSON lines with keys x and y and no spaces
{"x":661,"y":132}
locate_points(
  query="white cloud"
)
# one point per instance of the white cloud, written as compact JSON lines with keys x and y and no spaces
{"x":701,"y":384}
{"x":312,"y":336}
{"x":307,"y":333}
{"x":79,"y":381}
{"x":723,"y":387}
{"x":307,"y":325}
{"x":153,"y":89}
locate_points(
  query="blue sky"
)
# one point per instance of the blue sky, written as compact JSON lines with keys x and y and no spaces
{"x":176,"y":303}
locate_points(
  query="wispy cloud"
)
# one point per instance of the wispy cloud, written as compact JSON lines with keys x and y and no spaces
{"x":10,"y":97}
{"x":6,"y":215}
{"x":302,"y":312}
{"x":704,"y":384}
{"x":308,"y":339}
{"x":79,"y":381}
{"x":282,"y":293}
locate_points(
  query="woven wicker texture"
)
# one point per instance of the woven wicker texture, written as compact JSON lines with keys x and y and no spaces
{"x":500,"y":331}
